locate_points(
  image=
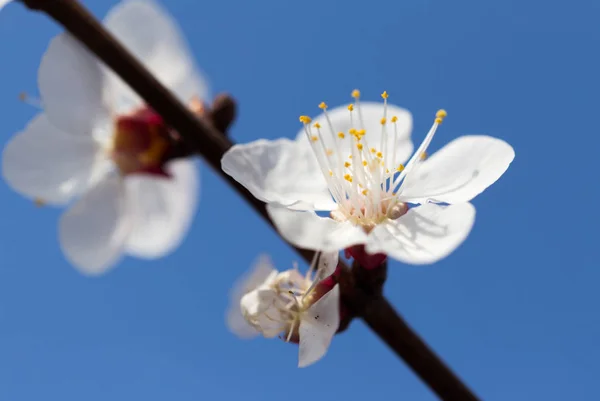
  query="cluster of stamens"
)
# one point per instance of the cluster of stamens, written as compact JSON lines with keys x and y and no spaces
{"x":364,"y":180}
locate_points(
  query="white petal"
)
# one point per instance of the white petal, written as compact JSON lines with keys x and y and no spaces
{"x":72,"y":88}
{"x":258,"y":301}
{"x":328,"y":262}
{"x":307,"y":230}
{"x":162,"y":208}
{"x":318,"y":327}
{"x":372,"y":113}
{"x":93,"y":231}
{"x":3,"y":3}
{"x":153,"y":36}
{"x":46,"y":163}
{"x":263,"y":270}
{"x":281,"y":172}
{"x":425,"y":234}
{"x":459,"y":171}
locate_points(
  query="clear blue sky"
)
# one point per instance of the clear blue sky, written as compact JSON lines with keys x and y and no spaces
{"x":514,"y":311}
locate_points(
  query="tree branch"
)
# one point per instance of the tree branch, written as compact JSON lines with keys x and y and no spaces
{"x":361,"y":289}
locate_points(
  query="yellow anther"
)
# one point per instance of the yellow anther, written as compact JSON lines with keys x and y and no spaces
{"x":394,"y":119}
{"x":351,"y":107}
{"x":400,"y":167}
{"x":329,"y":152}
{"x":347,"y":164}
{"x":383,"y":121}
{"x":317,"y":125}
{"x":323,"y":105}
{"x":440,"y":115}
{"x":314,"y":138}
{"x":384,"y":95}
{"x":350,"y":157}
{"x":379,"y":154}
{"x":359,"y":146}
{"x":341,"y":135}
{"x":373,"y":150}
{"x":331,"y":173}
{"x":360,"y":185}
{"x":423,"y":156}
{"x":352,"y":131}
{"x":362,"y":132}
{"x":305,"y":119}
{"x":365,"y":163}
{"x":365,"y":191}
{"x":348,"y":177}
{"x":356,"y":93}
{"x":387,"y":170}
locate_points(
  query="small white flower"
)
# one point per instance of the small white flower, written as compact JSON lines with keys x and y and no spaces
{"x":304,"y":309}
{"x":97,"y":144}
{"x":372,"y":189}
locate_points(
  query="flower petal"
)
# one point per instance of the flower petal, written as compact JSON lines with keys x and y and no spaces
{"x":162,"y":208}
{"x":459,"y":171}
{"x":93,"y":231}
{"x":72,"y":84}
{"x":46,"y":163}
{"x":307,"y":230}
{"x":153,"y":36}
{"x":262,"y":271}
{"x":328,"y":262}
{"x":4,"y":2}
{"x":281,"y":172}
{"x":372,"y":113}
{"x":318,"y":327}
{"x":425,"y":234}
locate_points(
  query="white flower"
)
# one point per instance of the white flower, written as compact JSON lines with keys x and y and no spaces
{"x":303,"y":308}
{"x":371,"y":189}
{"x":98,"y":145}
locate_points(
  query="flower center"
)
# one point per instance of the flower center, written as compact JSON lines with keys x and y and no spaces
{"x":363,"y":175}
{"x":140,"y":143}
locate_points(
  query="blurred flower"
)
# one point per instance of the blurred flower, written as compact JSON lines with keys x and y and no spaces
{"x":97,"y":144}
{"x":371,"y":189}
{"x":304,"y":309}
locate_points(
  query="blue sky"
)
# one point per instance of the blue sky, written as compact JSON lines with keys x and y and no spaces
{"x":513,"y":310}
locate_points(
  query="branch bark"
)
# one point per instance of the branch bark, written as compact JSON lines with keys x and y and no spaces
{"x":361,"y":289}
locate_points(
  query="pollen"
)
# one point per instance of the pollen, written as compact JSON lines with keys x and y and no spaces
{"x":400,"y":167}
{"x":352,"y":131}
{"x":317,"y":125}
{"x":384,"y":95}
{"x":351,"y":107}
{"x":394,"y":119}
{"x":365,"y":191}
{"x":379,"y":154}
{"x":383,"y":121}
{"x":350,"y":157}
{"x":341,"y":135}
{"x":314,"y":138}
{"x":440,"y":115}
{"x":365,"y":163}
{"x":373,"y":150}
{"x":423,"y":156}
{"x":361,"y":133}
{"x":348,"y":177}
{"x":323,"y":105}
{"x":356,"y":93}
{"x":305,"y":119}
{"x":359,"y":146}
{"x":347,"y":164}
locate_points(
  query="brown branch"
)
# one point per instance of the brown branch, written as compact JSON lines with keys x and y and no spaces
{"x":361,"y":289}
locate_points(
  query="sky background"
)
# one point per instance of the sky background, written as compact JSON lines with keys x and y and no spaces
{"x":514,"y":311}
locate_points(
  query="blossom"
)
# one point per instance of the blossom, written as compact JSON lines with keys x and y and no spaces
{"x":304,"y":309}
{"x":372,"y":190}
{"x":99,"y":149}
